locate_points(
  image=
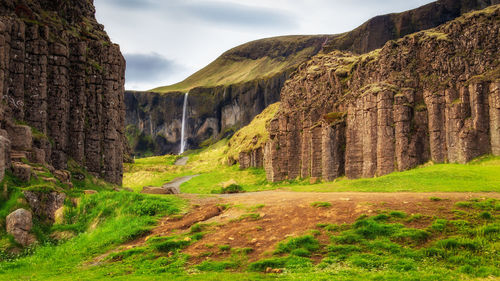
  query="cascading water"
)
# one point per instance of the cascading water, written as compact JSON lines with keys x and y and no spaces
{"x":183,"y":129}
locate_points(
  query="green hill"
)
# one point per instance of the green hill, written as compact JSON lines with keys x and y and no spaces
{"x":257,"y":59}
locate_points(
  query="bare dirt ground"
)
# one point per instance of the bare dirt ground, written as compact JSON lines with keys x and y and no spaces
{"x":233,"y":219}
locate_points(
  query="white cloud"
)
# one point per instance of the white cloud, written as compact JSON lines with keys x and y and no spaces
{"x":192,"y":33}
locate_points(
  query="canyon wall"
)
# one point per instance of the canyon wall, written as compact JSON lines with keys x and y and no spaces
{"x":431,"y":96}
{"x":61,"y":85}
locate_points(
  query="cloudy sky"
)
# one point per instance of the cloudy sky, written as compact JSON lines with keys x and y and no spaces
{"x":164,"y":41}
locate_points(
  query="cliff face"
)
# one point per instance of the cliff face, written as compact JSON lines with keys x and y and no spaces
{"x":433,"y":95}
{"x":253,"y":76}
{"x":61,"y":75}
{"x":374,"y":33}
{"x":154,"y":120}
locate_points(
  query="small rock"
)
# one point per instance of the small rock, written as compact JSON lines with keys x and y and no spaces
{"x":158,"y":190}
{"x":22,"y":171}
{"x":89,"y":192}
{"x":171,"y":189}
{"x":19,"y":224}
{"x":63,"y":176}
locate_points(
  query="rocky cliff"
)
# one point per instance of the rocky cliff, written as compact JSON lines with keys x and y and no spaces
{"x":431,"y":96}
{"x":61,"y":84}
{"x":154,"y":120}
{"x":231,"y":91}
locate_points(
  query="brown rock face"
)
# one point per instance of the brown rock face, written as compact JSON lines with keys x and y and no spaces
{"x":61,"y":75}
{"x":433,"y":95}
{"x":44,"y":204}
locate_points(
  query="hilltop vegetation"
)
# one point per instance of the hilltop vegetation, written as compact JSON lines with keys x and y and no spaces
{"x":254,"y":60}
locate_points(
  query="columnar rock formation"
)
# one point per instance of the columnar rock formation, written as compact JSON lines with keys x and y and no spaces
{"x":153,"y":119}
{"x":431,"y":96}
{"x":61,"y":75}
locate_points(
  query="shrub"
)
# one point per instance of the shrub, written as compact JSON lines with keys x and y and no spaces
{"x":307,"y":242}
{"x":232,"y":189}
{"x":398,"y":214}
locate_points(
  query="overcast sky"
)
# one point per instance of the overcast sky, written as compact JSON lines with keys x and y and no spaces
{"x":164,"y":41}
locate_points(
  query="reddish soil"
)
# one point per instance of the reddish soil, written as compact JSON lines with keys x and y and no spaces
{"x":286,"y":214}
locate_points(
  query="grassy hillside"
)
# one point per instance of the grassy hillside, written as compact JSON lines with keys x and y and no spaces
{"x":252,"y":136}
{"x":254,"y":60}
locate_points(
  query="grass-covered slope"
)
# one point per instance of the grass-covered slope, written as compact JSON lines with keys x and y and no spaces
{"x":252,"y":136}
{"x":254,"y":60}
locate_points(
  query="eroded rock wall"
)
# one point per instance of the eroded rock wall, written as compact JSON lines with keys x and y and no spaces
{"x":61,"y":75}
{"x":431,"y":96}
{"x":212,"y":113}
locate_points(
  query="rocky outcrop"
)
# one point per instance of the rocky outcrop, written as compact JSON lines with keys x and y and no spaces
{"x":19,"y":224}
{"x":45,"y":204}
{"x":61,"y":75}
{"x":431,"y":96}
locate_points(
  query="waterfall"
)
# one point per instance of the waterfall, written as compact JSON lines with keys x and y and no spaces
{"x":183,"y":129}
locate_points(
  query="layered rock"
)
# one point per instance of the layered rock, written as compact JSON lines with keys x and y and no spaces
{"x":61,"y":75}
{"x":431,"y":96}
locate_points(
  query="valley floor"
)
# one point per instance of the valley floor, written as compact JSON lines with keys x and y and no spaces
{"x":386,"y":228}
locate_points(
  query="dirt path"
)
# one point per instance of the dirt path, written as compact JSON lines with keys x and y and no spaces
{"x":262,"y":219}
{"x":181,"y":161}
{"x":176,"y":183}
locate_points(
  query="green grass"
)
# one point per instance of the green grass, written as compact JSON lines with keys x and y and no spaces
{"x":252,"y":136}
{"x":101,"y":222}
{"x":480,"y":175}
{"x":275,"y":56}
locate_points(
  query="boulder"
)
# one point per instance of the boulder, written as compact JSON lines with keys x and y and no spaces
{"x":19,"y":224}
{"x":158,"y":190}
{"x":22,"y":171}
{"x":172,"y":188}
{"x":45,"y":204}
{"x":21,"y":137}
